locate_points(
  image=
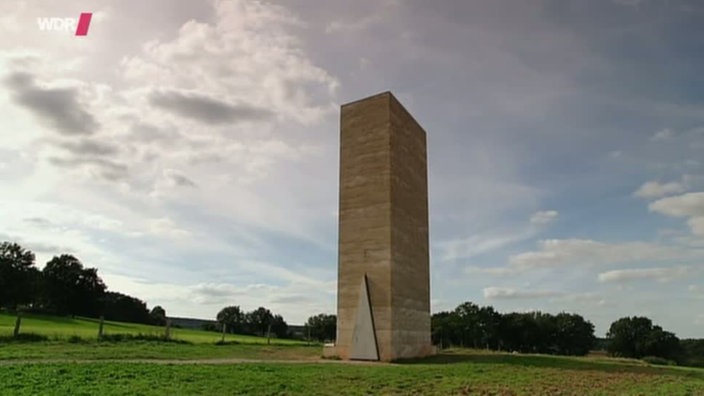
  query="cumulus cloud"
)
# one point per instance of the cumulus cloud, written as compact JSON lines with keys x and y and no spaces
{"x":558,"y":252}
{"x":653,"y":189}
{"x":664,"y":134}
{"x":510,"y":293}
{"x":696,"y":290}
{"x":166,"y":227}
{"x":59,"y":108}
{"x":248,"y":62}
{"x":490,"y":241}
{"x":661,"y":274}
{"x":543,"y":217}
{"x":690,"y":205}
{"x":478,"y":244}
{"x":686,"y":205}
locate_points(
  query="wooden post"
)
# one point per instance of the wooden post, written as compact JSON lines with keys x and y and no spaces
{"x":224,"y":330}
{"x":167,"y":331}
{"x":18,"y":323}
{"x":100,"y":327}
{"x":268,"y":335}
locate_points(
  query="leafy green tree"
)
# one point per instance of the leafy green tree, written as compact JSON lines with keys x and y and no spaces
{"x":574,"y":335}
{"x":123,"y":308}
{"x":322,"y":327}
{"x":467,"y":315}
{"x":233,"y":318}
{"x":258,"y":321}
{"x":693,"y":352}
{"x":663,"y":344}
{"x":18,"y":275}
{"x":279,"y":327}
{"x":636,"y":337}
{"x":69,"y":288}
{"x":157,"y":316}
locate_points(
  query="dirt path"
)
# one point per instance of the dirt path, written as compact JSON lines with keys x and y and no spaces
{"x":190,"y":361}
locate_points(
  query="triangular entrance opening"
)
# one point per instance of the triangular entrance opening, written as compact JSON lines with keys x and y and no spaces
{"x":364,"y":345}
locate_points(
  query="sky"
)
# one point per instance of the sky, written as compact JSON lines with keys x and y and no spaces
{"x":189,"y":150}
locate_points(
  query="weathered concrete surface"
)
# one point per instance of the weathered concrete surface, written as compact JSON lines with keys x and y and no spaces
{"x":364,"y":346}
{"x":383,"y":229}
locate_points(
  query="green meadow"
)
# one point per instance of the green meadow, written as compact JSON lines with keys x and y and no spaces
{"x":63,"y":328}
{"x":72,"y":361}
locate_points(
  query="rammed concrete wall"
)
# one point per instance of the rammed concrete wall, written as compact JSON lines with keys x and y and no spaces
{"x":383,"y":226}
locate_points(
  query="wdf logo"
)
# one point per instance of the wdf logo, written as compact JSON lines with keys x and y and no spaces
{"x":67,"y":25}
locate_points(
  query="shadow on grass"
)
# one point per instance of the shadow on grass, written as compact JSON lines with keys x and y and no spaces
{"x":23,"y":338}
{"x":109,"y":323}
{"x":106,"y":338}
{"x":141,"y":337}
{"x":557,"y":362}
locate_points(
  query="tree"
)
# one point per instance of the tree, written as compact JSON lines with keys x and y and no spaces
{"x":445,"y":329}
{"x":68,"y":288}
{"x":468,"y":318}
{"x":693,"y":352}
{"x":123,"y":308}
{"x":636,"y":337}
{"x":233,"y":318}
{"x":574,"y":335}
{"x":157,"y":316}
{"x":18,"y":275}
{"x":279,"y":326}
{"x":321,"y":327}
{"x":258,"y":321}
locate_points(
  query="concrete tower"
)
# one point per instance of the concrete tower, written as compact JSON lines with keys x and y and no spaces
{"x":383,"y":298}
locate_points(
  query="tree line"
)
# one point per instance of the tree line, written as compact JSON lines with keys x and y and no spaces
{"x":472,"y":326}
{"x":469,"y":325}
{"x":65,"y":287}
{"x":259,"y":322}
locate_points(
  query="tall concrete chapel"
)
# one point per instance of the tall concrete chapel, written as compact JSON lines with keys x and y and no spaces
{"x":383,"y":301}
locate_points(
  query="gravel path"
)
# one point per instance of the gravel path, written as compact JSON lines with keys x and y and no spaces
{"x":190,"y":361}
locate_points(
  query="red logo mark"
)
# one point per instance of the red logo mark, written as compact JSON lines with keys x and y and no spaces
{"x":83,"y":23}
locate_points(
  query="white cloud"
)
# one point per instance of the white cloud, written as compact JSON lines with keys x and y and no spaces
{"x":510,"y":293}
{"x":247,"y":57}
{"x":485,"y":242}
{"x":295,"y":300}
{"x":689,"y":205}
{"x":653,"y":189}
{"x":558,"y":252}
{"x":657,"y":274}
{"x":168,"y":228}
{"x":543,"y":217}
{"x":664,"y":134}
{"x":494,"y":271}
{"x":686,"y":205}
{"x":373,"y":17}
{"x":696,"y":224}
{"x":479,"y":244}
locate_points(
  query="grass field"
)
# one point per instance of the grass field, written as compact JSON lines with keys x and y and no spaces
{"x":464,"y":373}
{"x":62,"y":328}
{"x":89,"y":367}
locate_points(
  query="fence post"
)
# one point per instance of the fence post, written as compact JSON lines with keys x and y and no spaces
{"x":167,"y":331}
{"x":18,"y":323}
{"x":100,"y":327}
{"x":224,"y":329}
